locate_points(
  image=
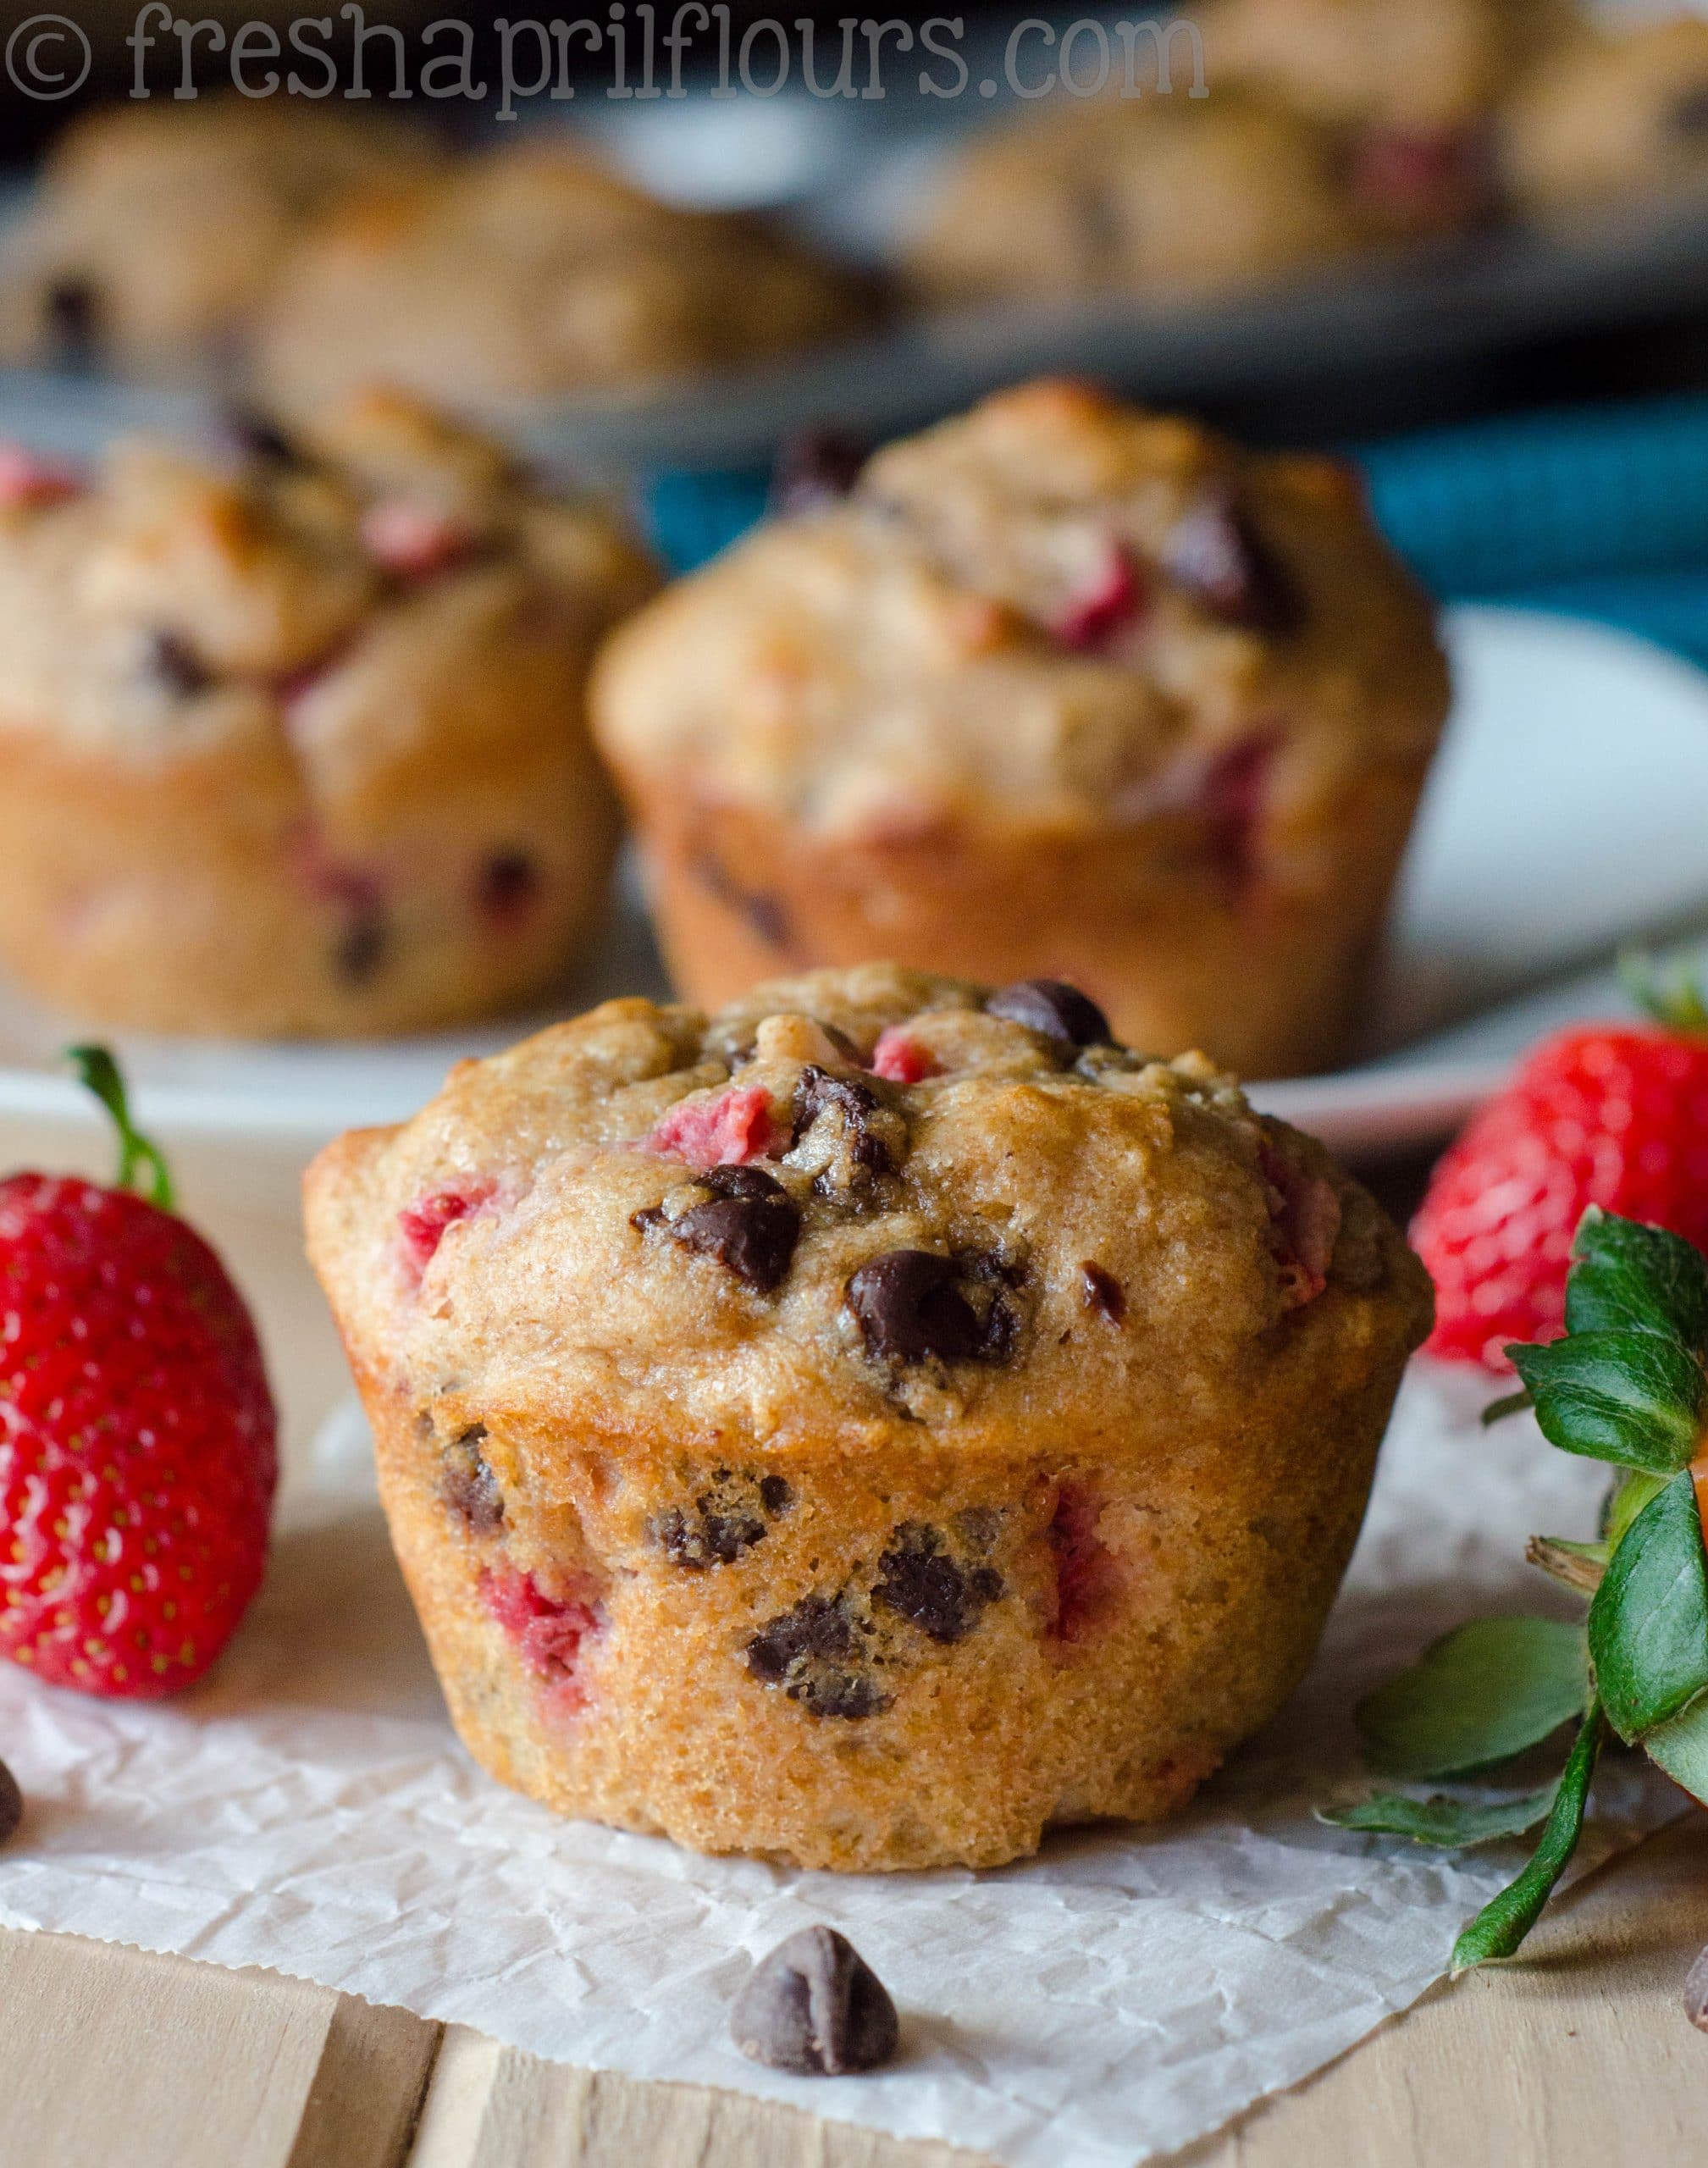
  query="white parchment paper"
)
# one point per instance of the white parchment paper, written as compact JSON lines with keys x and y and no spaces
{"x":310,"y":1810}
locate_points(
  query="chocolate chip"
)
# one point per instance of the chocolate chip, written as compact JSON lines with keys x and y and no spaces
{"x":818,"y":1092}
{"x":815,"y":2007}
{"x":359,"y":952}
{"x":508,"y":882}
{"x":1053,"y":1007}
{"x":1102,"y":1292}
{"x":701,"y":1538}
{"x":1218,"y":556}
{"x":469,"y":1486}
{"x":1695,"y":1981}
{"x":918,"y":1579}
{"x":752,"y":1236}
{"x":815,"y":471}
{"x":763,"y":912}
{"x":255,"y":435}
{"x":813,"y":1652}
{"x":174,"y":662}
{"x":908,"y":1307}
{"x":11,"y":1804}
{"x":741,"y":1181}
{"x":1687,"y":113}
{"x":725,"y":1520}
{"x":72,"y":310}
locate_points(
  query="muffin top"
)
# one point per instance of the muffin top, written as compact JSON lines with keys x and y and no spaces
{"x":160,"y":222}
{"x":1392,"y":64}
{"x":1151,"y":196}
{"x":304,"y":591}
{"x":533,"y":271}
{"x":851,"y":1201}
{"x":1621,"y":114}
{"x":1054,"y":612}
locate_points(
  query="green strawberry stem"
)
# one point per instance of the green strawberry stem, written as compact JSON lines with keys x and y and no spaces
{"x":1504,"y":1921}
{"x":137,"y":1154}
{"x":1676,"y":1002}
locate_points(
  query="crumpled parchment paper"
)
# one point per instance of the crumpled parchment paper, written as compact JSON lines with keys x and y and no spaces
{"x":309,"y":1810}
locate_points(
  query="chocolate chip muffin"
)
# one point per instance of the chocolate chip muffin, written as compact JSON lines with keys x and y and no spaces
{"x":1061,"y":687}
{"x":869,"y":1425}
{"x":1612,"y":119}
{"x":158,"y":228}
{"x":1148,"y":198}
{"x":1409,"y":86}
{"x":293,"y":730}
{"x":531,"y":273}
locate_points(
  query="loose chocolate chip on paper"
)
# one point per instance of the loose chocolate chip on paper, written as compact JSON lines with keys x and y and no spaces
{"x":1218,"y":556}
{"x":1053,"y":1007}
{"x":11,"y":1804}
{"x":752,"y":1236}
{"x":909,"y":1309}
{"x":815,"y":2007}
{"x":1102,"y":1292}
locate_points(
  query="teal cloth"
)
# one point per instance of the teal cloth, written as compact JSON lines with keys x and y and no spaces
{"x":1599,"y":512}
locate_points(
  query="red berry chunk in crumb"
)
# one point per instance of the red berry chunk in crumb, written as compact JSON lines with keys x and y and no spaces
{"x":1088,"y":1578}
{"x":1304,"y":1223}
{"x":902,"y":1060}
{"x":1111,"y":600}
{"x":1420,"y":173}
{"x":1615,"y":1116}
{"x":137,"y":1455}
{"x":413,"y":541}
{"x":729,"y":1130}
{"x":29,"y":483}
{"x":421,"y":1226}
{"x":549,"y":1631}
{"x":1233,"y":800}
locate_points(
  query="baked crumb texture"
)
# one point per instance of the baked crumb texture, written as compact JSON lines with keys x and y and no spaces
{"x":869,"y":1425}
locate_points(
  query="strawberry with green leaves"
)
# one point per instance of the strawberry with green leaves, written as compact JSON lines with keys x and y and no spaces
{"x":137,"y":1457}
{"x":1628,"y":1385}
{"x":1609,"y":1115}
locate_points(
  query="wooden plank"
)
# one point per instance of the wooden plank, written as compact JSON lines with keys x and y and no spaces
{"x":108,"y":2056}
{"x":490,"y":2107}
{"x":1579,"y":2056}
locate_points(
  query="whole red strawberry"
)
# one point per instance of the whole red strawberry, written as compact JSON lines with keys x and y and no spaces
{"x":1615,"y":1115}
{"x":137,"y":1452}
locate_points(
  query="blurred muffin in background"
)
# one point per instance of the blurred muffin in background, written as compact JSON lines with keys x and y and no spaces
{"x":159,"y":228}
{"x":1410,"y":85}
{"x":1061,"y":689}
{"x":1149,"y":197}
{"x":533,"y":273}
{"x":1612,"y":117}
{"x":294,"y":739}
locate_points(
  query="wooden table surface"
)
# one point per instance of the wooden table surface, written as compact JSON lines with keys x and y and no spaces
{"x":1580,"y":2058}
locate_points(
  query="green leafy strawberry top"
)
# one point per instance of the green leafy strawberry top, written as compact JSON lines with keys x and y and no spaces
{"x":1628,"y":1385}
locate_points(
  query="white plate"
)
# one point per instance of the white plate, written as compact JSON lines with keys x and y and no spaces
{"x":1568,"y":811}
